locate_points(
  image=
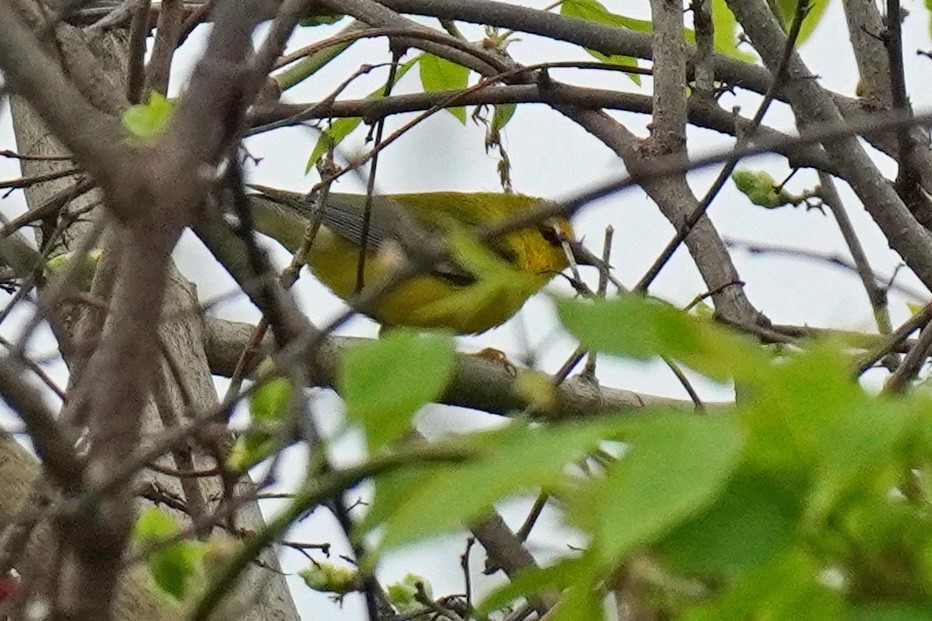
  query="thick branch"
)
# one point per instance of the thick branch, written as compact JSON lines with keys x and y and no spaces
{"x":701,"y":114}
{"x":478,"y":383}
{"x":668,"y":127}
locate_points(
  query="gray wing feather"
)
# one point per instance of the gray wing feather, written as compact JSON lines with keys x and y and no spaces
{"x":343,"y":215}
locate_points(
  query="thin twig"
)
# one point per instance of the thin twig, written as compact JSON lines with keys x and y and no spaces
{"x":899,"y":380}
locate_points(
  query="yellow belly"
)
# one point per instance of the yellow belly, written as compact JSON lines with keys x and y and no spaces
{"x":422,"y":301}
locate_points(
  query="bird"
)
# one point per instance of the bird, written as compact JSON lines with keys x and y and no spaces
{"x":472,"y":289}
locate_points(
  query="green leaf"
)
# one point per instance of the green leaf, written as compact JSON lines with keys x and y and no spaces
{"x":726,"y":32}
{"x":440,"y":74}
{"x":814,"y":14}
{"x":890,"y":612}
{"x":504,"y":112}
{"x":642,"y":328}
{"x":536,"y":580}
{"x":250,"y":449}
{"x":751,"y":522}
{"x":331,"y":137}
{"x":320,"y":20}
{"x":148,"y":120}
{"x":581,"y":602}
{"x":339,"y":129}
{"x":575,"y":8}
{"x":269,"y":402}
{"x":855,"y":451}
{"x":417,"y":503}
{"x":929,"y":8}
{"x":384,"y":382}
{"x":154,"y":525}
{"x":176,"y":567}
{"x":792,"y":413}
{"x":617,"y":60}
{"x":703,"y":310}
{"x":268,"y":406}
{"x":591,"y":11}
{"x":594,"y":11}
{"x":404,"y":594}
{"x":674,"y":466}
{"x":787,"y":588}
{"x":83,"y":275}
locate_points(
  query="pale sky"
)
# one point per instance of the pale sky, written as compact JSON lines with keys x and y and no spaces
{"x":551,"y":157}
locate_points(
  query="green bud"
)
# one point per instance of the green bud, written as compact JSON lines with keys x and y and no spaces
{"x":404,"y":594}
{"x":328,"y":578}
{"x":761,"y":188}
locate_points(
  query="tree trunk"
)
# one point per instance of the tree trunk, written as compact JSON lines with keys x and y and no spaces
{"x":264,"y":589}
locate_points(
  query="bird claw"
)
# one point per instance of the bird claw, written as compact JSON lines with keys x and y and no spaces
{"x":497,"y":356}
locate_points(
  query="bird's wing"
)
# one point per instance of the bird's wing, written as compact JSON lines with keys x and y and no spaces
{"x":343,"y":214}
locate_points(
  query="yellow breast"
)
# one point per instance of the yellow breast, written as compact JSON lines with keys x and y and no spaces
{"x":428,"y":301}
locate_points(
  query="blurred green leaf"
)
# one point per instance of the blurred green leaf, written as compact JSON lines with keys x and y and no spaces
{"x":268,"y":408}
{"x":330,"y":578}
{"x":250,"y":449}
{"x":83,"y":275}
{"x":497,"y":284}
{"x":751,"y":522}
{"x":320,"y":20}
{"x":269,"y":402}
{"x":176,"y":567}
{"x":890,"y":612}
{"x":594,"y":11}
{"x":643,"y":328}
{"x":703,"y":311}
{"x":814,"y":14}
{"x":929,"y":8}
{"x":726,"y":32}
{"x":857,"y":450}
{"x":148,"y":120}
{"x":384,"y":382}
{"x":580,"y":602}
{"x":786,"y":588}
{"x":152,"y":525}
{"x":503,"y":114}
{"x":674,"y":466}
{"x":791,"y":413}
{"x":332,"y":136}
{"x":536,"y":580}
{"x":403,"y":594}
{"x":419,"y":503}
{"x":440,"y":74}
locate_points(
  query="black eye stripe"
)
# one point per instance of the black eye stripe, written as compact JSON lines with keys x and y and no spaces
{"x":550,"y":234}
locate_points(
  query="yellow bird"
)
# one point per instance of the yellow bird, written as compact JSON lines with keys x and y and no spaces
{"x":463,"y":294}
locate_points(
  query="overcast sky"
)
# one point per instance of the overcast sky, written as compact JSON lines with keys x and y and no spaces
{"x":551,"y":157}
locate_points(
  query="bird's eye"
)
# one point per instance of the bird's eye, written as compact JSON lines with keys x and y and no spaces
{"x":550,"y":233}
